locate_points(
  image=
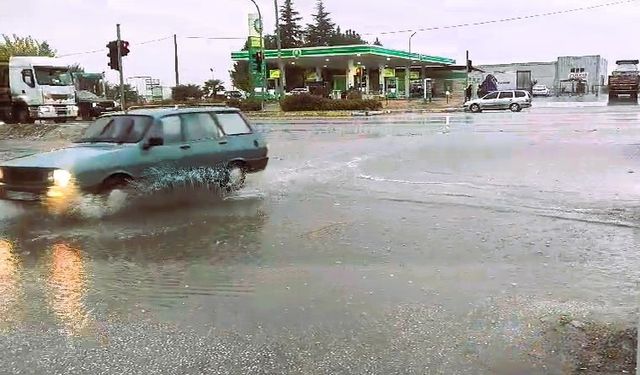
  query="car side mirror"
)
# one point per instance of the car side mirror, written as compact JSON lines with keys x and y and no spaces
{"x":152,"y":142}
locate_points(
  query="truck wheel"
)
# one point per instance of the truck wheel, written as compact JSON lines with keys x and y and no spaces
{"x":21,"y":116}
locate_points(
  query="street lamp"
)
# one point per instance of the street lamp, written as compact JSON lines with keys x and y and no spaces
{"x":282,"y":80}
{"x":411,"y":37}
{"x":264,"y":77}
{"x":407,"y":71}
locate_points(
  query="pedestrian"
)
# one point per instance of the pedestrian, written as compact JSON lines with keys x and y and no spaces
{"x":467,"y":93}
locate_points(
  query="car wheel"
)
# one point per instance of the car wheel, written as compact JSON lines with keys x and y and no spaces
{"x":115,"y":182}
{"x":235,"y":176}
{"x":515,"y":107}
{"x":474,"y":108}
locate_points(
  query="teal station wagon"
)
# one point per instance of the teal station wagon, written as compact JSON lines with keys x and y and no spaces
{"x":121,"y":147}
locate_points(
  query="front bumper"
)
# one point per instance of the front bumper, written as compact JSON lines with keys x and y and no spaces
{"x":53,"y":111}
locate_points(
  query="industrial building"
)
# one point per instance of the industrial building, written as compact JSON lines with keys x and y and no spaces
{"x":566,"y":76}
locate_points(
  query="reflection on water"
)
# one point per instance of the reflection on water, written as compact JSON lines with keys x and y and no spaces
{"x":11,"y":292}
{"x":67,"y":288}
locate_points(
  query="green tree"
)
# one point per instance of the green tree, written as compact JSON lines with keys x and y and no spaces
{"x":349,"y":37}
{"x":130,"y":94}
{"x":291,"y":34}
{"x":23,"y":46}
{"x":212,"y":87}
{"x":186,"y":92}
{"x":321,"y":30}
{"x":76,"y":68}
{"x":240,"y":76}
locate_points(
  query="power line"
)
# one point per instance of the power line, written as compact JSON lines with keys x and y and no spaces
{"x":510,"y":19}
{"x":103,"y":49}
{"x":214,"y":38}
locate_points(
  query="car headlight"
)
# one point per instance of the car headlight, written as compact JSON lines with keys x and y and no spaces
{"x":61,"y":177}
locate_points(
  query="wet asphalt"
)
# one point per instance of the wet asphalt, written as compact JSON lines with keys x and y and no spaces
{"x":413,"y":244}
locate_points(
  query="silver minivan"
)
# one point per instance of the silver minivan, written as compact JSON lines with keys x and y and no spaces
{"x":514,"y":100}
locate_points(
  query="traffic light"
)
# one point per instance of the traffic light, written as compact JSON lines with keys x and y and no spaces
{"x":113,"y":55}
{"x":124,"y":48}
{"x":258,"y":60}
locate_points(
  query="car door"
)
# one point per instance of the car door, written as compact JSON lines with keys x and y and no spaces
{"x":239,"y":142}
{"x":168,"y":157}
{"x":489,"y":101}
{"x":205,"y":139}
{"x":505,"y":99}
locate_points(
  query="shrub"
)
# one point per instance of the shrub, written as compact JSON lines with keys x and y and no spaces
{"x":245,"y":105}
{"x":306,"y":102}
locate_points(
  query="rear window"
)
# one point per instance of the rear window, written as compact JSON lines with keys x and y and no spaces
{"x":232,"y":123}
{"x":521,"y":94}
{"x":199,"y":126}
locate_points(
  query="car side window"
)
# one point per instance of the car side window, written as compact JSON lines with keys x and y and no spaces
{"x":506,"y":95}
{"x":492,"y":95}
{"x":232,"y":123}
{"x":520,"y":94}
{"x":171,"y":129}
{"x":199,"y":126}
{"x":27,"y":77}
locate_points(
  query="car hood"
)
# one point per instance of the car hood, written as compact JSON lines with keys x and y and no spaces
{"x":64,"y":158}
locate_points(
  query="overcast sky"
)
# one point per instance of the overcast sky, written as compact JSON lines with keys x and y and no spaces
{"x":83,"y":25}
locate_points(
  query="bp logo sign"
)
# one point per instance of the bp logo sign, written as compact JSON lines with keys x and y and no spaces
{"x":257,"y":25}
{"x":297,"y":53}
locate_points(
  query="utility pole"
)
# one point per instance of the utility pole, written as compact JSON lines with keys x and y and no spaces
{"x":407,"y":72}
{"x":175,"y":53}
{"x":123,"y":103}
{"x":283,"y":80}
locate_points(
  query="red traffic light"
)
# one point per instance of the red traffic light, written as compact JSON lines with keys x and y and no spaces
{"x":124,"y":48}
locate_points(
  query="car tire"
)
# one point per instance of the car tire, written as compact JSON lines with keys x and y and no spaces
{"x":235,"y":176}
{"x":475,"y":108}
{"x":515,"y":107}
{"x":115,"y":182}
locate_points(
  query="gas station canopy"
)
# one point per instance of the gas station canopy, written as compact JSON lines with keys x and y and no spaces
{"x":338,"y":57}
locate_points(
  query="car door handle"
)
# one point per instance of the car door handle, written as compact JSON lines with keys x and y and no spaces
{"x":185,"y":147}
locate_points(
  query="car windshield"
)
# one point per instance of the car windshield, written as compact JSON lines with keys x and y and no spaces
{"x":117,"y":129}
{"x":53,"y":76}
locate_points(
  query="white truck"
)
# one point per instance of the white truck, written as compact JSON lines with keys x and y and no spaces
{"x":36,"y":88}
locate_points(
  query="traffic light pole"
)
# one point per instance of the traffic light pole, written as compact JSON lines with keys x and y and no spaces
{"x":122,"y":99}
{"x":262,"y":70}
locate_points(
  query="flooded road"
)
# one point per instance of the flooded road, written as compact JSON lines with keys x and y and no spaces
{"x":420,"y":244}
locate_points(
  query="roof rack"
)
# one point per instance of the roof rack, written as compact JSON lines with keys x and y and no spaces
{"x":176,"y":106}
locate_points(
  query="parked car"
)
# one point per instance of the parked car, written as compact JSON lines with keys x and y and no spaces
{"x":91,"y":105}
{"x":121,"y":147}
{"x":298,"y":91}
{"x":515,"y":100}
{"x":234,"y":95}
{"x":540,"y":90}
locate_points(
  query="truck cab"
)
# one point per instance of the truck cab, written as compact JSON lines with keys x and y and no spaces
{"x":36,"y":88}
{"x":624,"y":82}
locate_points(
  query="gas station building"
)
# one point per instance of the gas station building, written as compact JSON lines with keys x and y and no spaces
{"x":372,"y":69}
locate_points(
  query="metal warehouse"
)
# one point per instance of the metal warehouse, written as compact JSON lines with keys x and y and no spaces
{"x":565,"y":76}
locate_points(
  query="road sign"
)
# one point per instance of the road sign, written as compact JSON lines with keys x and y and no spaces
{"x":274,"y":74}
